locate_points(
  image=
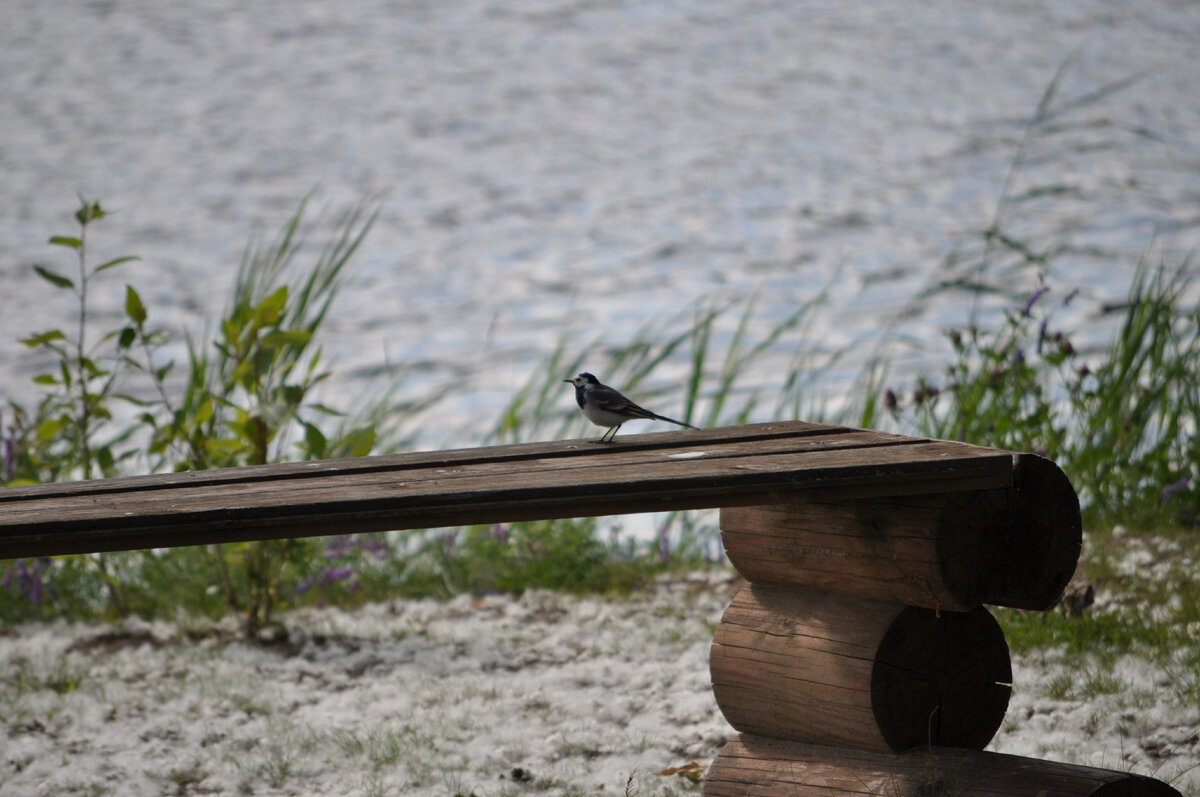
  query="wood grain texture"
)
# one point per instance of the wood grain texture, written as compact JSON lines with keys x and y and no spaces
{"x":760,"y":463}
{"x":751,"y":766}
{"x":1016,"y":546}
{"x":818,"y":667}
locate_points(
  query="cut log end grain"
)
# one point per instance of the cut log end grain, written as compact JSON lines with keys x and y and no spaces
{"x":750,"y":766}
{"x":1015,"y":546}
{"x":941,"y":679}
{"x":817,"y":667}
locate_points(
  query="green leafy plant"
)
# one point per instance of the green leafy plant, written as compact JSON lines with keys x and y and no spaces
{"x":250,"y":396}
{"x":252,"y":386}
{"x":560,"y":555}
{"x":75,"y":410}
{"x":1120,"y":426}
{"x":69,"y":436}
{"x":241,"y":403}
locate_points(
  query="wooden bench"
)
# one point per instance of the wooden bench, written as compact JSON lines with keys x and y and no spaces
{"x":859,"y":658}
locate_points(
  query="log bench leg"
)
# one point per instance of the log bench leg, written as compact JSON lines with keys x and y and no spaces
{"x":816,"y":667}
{"x":1013,"y":547}
{"x":860,"y":659}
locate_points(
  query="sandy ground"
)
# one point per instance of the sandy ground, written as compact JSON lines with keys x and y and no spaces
{"x":545,"y":694}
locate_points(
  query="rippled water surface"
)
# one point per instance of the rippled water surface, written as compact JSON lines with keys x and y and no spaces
{"x":551,"y":168}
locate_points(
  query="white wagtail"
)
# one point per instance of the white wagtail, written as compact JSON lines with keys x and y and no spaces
{"x":605,"y":406}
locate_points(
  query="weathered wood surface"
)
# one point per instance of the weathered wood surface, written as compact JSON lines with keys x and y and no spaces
{"x":751,"y":766}
{"x":730,"y":466}
{"x":1012,"y":547}
{"x":816,"y":667}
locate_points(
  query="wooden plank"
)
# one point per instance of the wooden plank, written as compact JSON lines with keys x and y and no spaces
{"x":756,"y":766}
{"x":734,"y":466}
{"x":754,"y":434}
{"x":413,"y":468}
{"x":578,"y":476}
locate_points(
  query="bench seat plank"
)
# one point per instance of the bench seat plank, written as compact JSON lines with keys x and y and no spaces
{"x":729,"y":466}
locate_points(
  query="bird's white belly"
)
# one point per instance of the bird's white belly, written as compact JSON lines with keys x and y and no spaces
{"x":604,"y":418}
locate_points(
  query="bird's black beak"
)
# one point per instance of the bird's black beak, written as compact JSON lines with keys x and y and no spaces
{"x":566,"y":380}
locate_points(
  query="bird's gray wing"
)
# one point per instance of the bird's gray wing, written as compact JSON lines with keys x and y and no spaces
{"x":611,"y":400}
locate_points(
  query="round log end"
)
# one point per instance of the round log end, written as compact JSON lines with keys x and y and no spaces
{"x":1049,"y":504}
{"x":941,"y":679}
{"x":1026,"y":549}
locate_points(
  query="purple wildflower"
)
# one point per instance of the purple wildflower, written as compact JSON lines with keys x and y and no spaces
{"x":924,"y":392}
{"x":375,"y":546}
{"x":339,"y":548}
{"x":1033,"y":299}
{"x":1171,"y":489}
{"x":28,"y":583}
{"x":329,"y":576}
{"x":334,"y":574}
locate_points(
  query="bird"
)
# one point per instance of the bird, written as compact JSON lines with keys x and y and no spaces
{"x":605,"y":406}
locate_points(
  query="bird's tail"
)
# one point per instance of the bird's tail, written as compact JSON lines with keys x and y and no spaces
{"x":672,"y":420}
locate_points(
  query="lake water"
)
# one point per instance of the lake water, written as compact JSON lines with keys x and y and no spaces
{"x":552,"y":168}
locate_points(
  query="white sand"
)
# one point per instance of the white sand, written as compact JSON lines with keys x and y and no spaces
{"x":545,"y":694}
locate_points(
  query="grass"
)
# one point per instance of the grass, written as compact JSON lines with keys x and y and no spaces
{"x":712,"y":383}
{"x":184,"y":778}
{"x":384,"y":749}
{"x":62,"y":675}
{"x":1150,"y":602}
